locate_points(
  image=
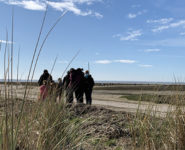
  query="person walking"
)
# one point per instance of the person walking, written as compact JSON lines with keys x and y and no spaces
{"x":45,"y":76}
{"x":66,"y":81}
{"x":43,"y":91}
{"x":88,"y":87}
{"x":76,"y":85}
{"x":79,"y":85}
{"x":68,"y":85}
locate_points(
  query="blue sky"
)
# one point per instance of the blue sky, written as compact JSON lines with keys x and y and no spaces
{"x":125,"y":40}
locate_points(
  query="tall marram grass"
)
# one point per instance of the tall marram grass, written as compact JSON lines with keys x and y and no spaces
{"x":153,"y":130}
{"x":44,"y":125}
{"x":29,"y":125}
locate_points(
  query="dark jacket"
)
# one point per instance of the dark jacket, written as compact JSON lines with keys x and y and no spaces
{"x":66,"y":81}
{"x":45,"y":76}
{"x":89,"y":82}
{"x":76,"y":79}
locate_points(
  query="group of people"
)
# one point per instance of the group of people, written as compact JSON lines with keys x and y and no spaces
{"x":75,"y":82}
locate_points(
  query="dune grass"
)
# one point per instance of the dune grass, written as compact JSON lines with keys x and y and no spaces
{"x":150,"y":131}
{"x":44,"y":125}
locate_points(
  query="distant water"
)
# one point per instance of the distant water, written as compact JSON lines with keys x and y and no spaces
{"x":14,"y":80}
{"x":120,"y":82}
{"x":139,"y":82}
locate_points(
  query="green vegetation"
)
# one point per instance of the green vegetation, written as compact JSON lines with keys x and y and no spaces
{"x":159,"y":99}
{"x":111,"y":142}
{"x":140,"y":87}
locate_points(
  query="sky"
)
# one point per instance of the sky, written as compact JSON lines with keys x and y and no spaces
{"x":122,"y":40}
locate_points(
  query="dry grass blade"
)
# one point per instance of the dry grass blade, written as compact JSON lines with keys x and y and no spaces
{"x":53,"y":26}
{"x":12,"y":100}
{"x":0,"y":45}
{"x":6,"y":139}
{"x":70,"y":63}
{"x":53,"y":65}
{"x":33,"y":57}
{"x":18,"y":65}
{"x":25,"y":93}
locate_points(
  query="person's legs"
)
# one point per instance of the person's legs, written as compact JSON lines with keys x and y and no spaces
{"x":69,"y":95}
{"x":88,"y":94}
{"x":79,"y":95}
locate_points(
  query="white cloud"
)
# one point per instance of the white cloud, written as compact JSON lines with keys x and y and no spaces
{"x":160,"y":21}
{"x":171,"y":25}
{"x":70,"y":5}
{"x":152,"y":50}
{"x":103,"y":62}
{"x":131,"y":16}
{"x":132,"y":35}
{"x":146,"y":66}
{"x":88,"y":2}
{"x":31,"y":5}
{"x":4,"y":42}
{"x":126,"y":61}
{"x":134,"y":15}
{"x":98,"y":15}
{"x":182,"y":33}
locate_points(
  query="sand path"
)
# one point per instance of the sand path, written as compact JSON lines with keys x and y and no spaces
{"x":112,"y":100}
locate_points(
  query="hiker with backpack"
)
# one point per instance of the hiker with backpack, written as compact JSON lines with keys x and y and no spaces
{"x":88,"y":87}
